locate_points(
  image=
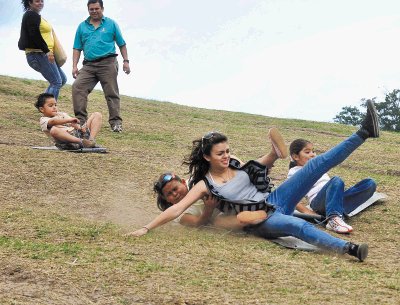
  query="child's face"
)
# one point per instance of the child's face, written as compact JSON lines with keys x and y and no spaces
{"x":305,"y":154}
{"x":174,"y":191}
{"x":49,"y":108}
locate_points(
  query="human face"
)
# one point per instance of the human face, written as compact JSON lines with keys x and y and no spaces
{"x":49,"y":108}
{"x":36,"y":5}
{"x":174,"y":191}
{"x":95,"y":11}
{"x":304,"y":155}
{"x":219,"y":156}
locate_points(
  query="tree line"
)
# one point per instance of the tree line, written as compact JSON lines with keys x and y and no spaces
{"x":388,"y":111}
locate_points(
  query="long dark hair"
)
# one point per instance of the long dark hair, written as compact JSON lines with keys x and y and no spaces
{"x":198,"y":166}
{"x":163,"y":204}
{"x":25,"y":4}
{"x":295,"y":148}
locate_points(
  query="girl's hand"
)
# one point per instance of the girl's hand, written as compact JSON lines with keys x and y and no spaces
{"x":74,"y":120}
{"x":76,"y":126}
{"x":50,"y":57}
{"x":138,"y":233}
{"x":210,"y":201}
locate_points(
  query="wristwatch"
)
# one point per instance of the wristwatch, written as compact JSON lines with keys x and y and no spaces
{"x":126,"y":60}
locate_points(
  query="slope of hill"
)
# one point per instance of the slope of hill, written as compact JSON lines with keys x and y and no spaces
{"x":63,"y":216}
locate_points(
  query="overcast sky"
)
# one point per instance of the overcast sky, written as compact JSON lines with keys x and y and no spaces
{"x":301,"y":59}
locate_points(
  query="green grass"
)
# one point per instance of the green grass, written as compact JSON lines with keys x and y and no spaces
{"x":63,"y":216}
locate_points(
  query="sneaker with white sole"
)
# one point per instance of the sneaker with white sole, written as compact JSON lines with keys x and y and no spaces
{"x":278,"y":144}
{"x":116,"y":128}
{"x":338,"y":225}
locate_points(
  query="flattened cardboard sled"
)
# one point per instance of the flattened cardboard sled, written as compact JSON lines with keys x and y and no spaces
{"x":319,"y":218}
{"x":81,"y":150}
{"x":294,"y":243}
{"x":375,"y":197}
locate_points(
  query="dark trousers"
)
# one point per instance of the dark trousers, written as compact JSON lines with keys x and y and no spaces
{"x":105,"y":72}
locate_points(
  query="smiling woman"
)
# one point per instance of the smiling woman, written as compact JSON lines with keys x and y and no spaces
{"x":212,"y":174}
{"x":37,"y":40}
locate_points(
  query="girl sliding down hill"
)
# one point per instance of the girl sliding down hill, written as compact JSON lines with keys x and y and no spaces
{"x":209,"y":165}
{"x":328,"y":195}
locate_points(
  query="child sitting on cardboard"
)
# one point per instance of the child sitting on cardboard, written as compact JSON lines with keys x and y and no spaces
{"x":66,"y":131}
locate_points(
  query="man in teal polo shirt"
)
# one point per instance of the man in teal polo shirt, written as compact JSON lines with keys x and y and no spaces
{"x":96,"y":37}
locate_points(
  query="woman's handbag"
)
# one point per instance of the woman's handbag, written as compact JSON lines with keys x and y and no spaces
{"x":59,"y":53}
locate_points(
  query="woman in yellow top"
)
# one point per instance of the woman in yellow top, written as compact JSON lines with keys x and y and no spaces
{"x":37,"y":41}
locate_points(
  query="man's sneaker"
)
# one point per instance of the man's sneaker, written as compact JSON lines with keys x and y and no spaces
{"x":359,"y":251}
{"x":86,"y":143}
{"x":116,"y":128}
{"x":278,"y":144}
{"x":371,"y":122}
{"x":337,"y":225}
{"x":251,"y":217}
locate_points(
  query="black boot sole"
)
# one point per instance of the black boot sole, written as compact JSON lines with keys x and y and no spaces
{"x":362,"y":252}
{"x":374,"y":118}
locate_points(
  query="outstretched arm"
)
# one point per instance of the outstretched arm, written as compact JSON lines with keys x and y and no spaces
{"x":198,"y":220}
{"x":197,"y":192}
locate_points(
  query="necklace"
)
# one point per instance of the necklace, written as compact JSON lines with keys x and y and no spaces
{"x":224,"y":180}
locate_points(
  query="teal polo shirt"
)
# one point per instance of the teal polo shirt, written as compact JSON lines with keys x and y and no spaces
{"x":100,"y":42}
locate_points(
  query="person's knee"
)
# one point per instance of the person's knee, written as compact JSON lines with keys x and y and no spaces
{"x":54,"y":132}
{"x":79,"y":87}
{"x":337,"y":182}
{"x":57,"y":82}
{"x":97,"y":115}
{"x":371,"y":184}
{"x":75,"y":86}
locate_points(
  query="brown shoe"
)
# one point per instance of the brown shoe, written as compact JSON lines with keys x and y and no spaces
{"x":252,"y":217}
{"x":86,"y":143}
{"x":278,"y":144}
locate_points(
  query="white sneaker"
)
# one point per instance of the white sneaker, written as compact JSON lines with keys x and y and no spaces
{"x":338,"y":225}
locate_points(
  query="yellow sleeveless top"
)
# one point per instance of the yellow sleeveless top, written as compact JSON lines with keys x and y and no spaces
{"x":47,"y":33}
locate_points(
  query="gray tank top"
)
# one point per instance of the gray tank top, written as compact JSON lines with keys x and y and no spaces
{"x":238,"y":188}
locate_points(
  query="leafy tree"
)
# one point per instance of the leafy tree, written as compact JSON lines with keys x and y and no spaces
{"x":349,"y":116}
{"x":388,"y":111}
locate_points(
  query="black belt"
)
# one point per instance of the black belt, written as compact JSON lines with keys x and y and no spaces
{"x":85,"y":61}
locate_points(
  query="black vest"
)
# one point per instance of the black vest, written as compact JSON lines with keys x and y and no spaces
{"x":258,"y":175}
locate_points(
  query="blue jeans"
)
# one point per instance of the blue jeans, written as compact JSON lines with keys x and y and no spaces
{"x":334,"y":200}
{"x":285,"y":198}
{"x":39,"y":62}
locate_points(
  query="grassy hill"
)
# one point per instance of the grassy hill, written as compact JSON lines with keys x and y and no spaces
{"x":63,"y":215}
